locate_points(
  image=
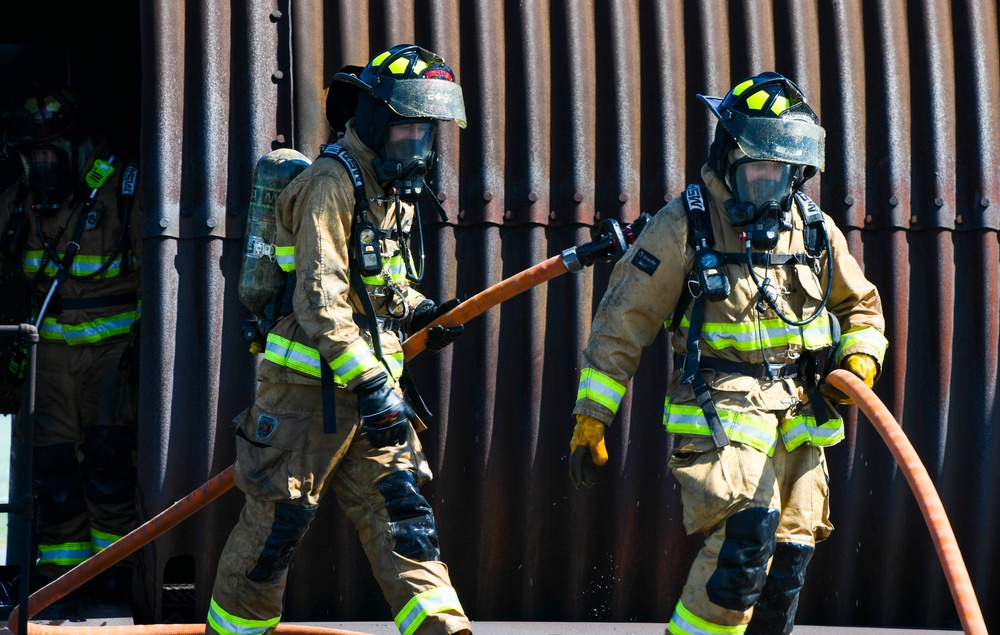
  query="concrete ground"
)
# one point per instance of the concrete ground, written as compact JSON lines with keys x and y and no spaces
{"x":604,"y":628}
{"x":108,"y":616}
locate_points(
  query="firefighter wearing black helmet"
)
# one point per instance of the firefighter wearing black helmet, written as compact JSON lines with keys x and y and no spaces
{"x":69,"y":260}
{"x":763,"y":299}
{"x":329,"y":414}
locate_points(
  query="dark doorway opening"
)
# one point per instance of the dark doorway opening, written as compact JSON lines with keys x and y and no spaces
{"x":94,"y":49}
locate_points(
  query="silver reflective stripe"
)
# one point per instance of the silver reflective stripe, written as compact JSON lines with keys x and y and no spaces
{"x":600,"y":388}
{"x":686,"y":622}
{"x":427,"y":603}
{"x":285,"y":352}
{"x":228,"y":624}
{"x":803,"y":429}
{"x":867,"y":335}
{"x":740,"y":427}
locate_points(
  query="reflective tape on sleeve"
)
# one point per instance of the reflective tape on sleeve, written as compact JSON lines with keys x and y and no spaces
{"x":867,"y":336}
{"x":599,"y":388}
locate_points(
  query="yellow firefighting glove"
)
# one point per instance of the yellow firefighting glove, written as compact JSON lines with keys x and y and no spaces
{"x":862,"y":365}
{"x":586,"y":450}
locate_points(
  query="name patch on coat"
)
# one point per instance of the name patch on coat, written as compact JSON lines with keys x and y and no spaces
{"x":646,"y":262}
{"x":266,"y":425}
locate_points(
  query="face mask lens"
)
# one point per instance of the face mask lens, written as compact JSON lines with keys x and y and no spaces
{"x":47,"y":171}
{"x":408,"y":142}
{"x":759,"y":182}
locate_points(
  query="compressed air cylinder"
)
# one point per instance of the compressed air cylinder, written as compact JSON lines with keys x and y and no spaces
{"x":260,"y":275}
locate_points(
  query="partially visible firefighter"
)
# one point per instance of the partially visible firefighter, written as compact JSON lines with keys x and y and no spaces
{"x":329,"y":415}
{"x":764,"y":299}
{"x":69,"y":264}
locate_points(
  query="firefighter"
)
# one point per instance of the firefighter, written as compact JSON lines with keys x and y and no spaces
{"x":329,"y":414}
{"x":764,"y":299}
{"x":70,"y":255}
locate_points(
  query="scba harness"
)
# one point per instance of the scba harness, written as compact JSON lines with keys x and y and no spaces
{"x":708,"y":280}
{"x":366,"y":262}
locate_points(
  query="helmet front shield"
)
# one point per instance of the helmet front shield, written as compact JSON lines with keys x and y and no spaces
{"x":428,"y":98}
{"x":785,"y":139}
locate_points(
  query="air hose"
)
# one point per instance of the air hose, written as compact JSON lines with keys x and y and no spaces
{"x":927,"y":497}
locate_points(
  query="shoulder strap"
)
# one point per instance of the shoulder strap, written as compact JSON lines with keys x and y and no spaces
{"x":699,"y":224}
{"x":126,"y":199}
{"x":815,"y":228}
{"x":699,"y":233}
{"x":335,"y":151}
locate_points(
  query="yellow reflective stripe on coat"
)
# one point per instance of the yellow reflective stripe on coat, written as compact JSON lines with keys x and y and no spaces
{"x":867,"y":335}
{"x":684,"y":622}
{"x":226,"y":623}
{"x":600,"y":388}
{"x":87,"y":332}
{"x":285,"y":352}
{"x":305,"y":359}
{"x":746,"y":336}
{"x":740,"y":427}
{"x":285,"y":257}
{"x":802,"y":429}
{"x":64,"y":554}
{"x":427,"y":603}
{"x":82,"y":265}
{"x":394,"y":266}
{"x":101,"y":540}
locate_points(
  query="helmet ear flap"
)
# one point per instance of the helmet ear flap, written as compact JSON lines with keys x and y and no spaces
{"x":342,"y":100}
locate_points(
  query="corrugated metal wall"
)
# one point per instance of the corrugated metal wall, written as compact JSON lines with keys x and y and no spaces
{"x":580,"y":111}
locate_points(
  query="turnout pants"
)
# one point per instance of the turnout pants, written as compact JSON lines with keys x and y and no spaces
{"x":84,"y":452}
{"x":762,"y":517}
{"x":285,"y":464}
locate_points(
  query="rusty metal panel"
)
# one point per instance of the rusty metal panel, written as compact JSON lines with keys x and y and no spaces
{"x":580,"y":111}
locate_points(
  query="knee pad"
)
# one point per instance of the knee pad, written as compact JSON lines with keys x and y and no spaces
{"x":108,"y":464}
{"x":289,"y":525}
{"x":58,"y":486}
{"x":775,"y":610}
{"x":411,"y":520}
{"x":742,"y":568}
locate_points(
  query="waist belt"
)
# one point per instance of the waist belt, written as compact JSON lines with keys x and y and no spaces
{"x":58,"y":304}
{"x":757,"y":371}
{"x":385,"y":325}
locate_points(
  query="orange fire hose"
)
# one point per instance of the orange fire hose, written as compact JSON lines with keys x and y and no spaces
{"x":612,"y":242}
{"x":927,"y":497}
{"x":485,"y":300}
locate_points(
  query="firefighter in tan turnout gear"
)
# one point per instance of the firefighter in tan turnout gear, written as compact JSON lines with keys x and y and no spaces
{"x":764,"y":299}
{"x":70,"y":265}
{"x":329,"y":415}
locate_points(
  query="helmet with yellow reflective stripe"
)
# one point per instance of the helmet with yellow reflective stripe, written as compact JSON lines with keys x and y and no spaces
{"x":401,"y":95}
{"x":46,"y":112}
{"x":766,"y":118}
{"x":407,"y":82}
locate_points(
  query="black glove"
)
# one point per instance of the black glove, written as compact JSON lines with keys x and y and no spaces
{"x":437,"y":336}
{"x":385,"y":417}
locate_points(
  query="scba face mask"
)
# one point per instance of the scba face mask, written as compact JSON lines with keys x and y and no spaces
{"x":406,"y":153}
{"x":49,"y":173}
{"x":762,"y":193}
